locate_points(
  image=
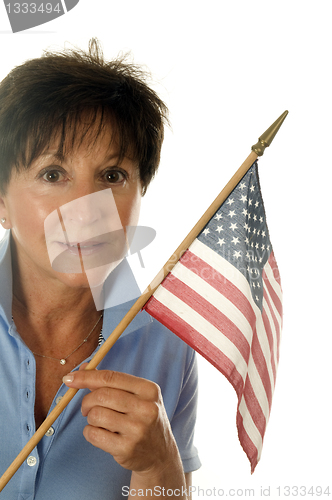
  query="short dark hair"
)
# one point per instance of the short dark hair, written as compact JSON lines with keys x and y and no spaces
{"x":47,"y":97}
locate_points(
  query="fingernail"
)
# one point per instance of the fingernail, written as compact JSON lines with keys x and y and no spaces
{"x":67,"y":379}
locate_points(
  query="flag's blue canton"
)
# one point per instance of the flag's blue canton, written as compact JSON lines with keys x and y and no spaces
{"x":238,"y":232}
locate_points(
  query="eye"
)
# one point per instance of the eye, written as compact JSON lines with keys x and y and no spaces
{"x":52,"y":175}
{"x":114,"y":176}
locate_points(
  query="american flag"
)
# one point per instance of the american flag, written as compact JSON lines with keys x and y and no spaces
{"x":224,"y":298}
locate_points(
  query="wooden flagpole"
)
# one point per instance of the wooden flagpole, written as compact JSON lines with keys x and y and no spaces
{"x":257,"y":150}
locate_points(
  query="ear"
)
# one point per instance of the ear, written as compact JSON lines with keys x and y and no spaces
{"x":4,"y":216}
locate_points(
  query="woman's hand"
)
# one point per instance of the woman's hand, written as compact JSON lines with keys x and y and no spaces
{"x":126,"y":418}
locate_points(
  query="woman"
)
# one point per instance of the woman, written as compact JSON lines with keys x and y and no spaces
{"x":80,"y":141}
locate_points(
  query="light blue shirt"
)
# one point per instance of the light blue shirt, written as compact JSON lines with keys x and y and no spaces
{"x":64,"y":465}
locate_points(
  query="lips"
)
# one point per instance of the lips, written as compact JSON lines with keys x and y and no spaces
{"x":84,"y":248}
{"x":72,"y":256}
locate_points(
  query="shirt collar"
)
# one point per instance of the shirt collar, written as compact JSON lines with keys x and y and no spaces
{"x":112,"y":315}
{"x":121,"y":292}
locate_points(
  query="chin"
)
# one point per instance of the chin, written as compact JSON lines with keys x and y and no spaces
{"x":74,"y":280}
{"x":91,"y":278}
{"x":96,"y":277}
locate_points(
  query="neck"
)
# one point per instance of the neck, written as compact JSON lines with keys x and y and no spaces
{"x":49,"y":312}
{"x":58,"y":332}
{"x":48,"y":304}
{"x":44,"y":296}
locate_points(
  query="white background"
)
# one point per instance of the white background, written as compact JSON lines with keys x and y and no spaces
{"x":227,"y":70}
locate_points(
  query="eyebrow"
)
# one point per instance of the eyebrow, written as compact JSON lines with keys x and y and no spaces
{"x":112,"y":156}
{"x":53,"y":154}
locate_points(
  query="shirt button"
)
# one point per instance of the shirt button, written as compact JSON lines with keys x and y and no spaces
{"x":58,"y":399}
{"x":50,"y":432}
{"x":31,"y":461}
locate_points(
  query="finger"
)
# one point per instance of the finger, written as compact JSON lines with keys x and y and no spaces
{"x":94,"y":379}
{"x":102,"y":432}
{"x":114,"y":399}
{"x":111,"y":442}
{"x":107,"y":419}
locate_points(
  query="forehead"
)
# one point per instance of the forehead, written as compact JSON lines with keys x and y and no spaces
{"x":89,"y":135}
{"x":86,"y":132}
{"x":95,"y":146}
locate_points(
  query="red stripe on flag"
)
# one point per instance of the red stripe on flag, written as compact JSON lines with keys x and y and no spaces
{"x":197,"y":341}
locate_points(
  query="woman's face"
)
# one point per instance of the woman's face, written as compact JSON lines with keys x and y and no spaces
{"x":70,"y":213}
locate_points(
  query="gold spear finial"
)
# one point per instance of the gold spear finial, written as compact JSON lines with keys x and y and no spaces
{"x":268,"y":136}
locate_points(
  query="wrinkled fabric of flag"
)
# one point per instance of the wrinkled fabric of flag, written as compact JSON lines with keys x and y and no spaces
{"x":224,"y":299}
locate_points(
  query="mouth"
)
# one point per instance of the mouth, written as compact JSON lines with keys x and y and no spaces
{"x":84,"y":248}
{"x":72,"y":255}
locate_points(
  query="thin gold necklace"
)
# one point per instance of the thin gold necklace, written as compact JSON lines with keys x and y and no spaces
{"x":63,"y":361}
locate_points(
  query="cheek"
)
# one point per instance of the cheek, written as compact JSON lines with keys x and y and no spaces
{"x":129,"y":209}
{"x":27,"y":216}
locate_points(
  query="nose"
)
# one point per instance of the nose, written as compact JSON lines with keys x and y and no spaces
{"x":84,"y":210}
{"x":94,"y":210}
